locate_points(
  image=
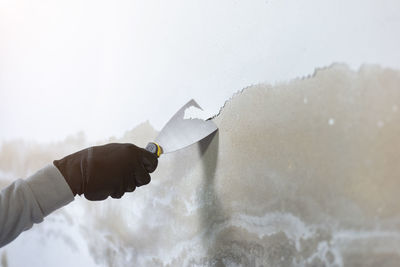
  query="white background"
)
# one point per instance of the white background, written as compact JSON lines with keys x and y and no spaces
{"x":102,"y":67}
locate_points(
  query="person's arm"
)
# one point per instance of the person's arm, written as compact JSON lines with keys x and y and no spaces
{"x":28,"y":201}
{"x":96,"y":172}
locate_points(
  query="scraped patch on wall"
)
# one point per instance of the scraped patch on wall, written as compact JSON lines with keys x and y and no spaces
{"x":301,"y":173}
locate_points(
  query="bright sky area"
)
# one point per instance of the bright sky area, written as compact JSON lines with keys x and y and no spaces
{"x":102,"y":67}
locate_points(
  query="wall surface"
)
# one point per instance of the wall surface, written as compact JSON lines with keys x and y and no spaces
{"x":303,"y":173}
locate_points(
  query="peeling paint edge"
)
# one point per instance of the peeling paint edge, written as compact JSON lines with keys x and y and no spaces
{"x":314,"y":74}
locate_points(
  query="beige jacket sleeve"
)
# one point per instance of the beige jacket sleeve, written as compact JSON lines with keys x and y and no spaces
{"x":28,"y":201}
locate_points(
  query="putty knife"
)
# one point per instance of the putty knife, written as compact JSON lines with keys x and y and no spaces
{"x":180,"y":131}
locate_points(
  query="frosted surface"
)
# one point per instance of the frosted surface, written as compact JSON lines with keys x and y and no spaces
{"x":302,"y":173}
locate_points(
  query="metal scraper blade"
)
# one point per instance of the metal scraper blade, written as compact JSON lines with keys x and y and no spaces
{"x":180,"y":132}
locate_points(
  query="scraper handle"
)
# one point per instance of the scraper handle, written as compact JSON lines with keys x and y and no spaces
{"x":154,"y":148}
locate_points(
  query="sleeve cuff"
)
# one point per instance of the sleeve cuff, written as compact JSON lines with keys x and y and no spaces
{"x":50,"y":189}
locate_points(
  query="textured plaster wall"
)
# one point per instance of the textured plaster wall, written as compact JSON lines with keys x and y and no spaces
{"x":301,"y":173}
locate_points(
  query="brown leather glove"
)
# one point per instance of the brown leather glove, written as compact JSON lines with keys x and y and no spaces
{"x":109,"y":170}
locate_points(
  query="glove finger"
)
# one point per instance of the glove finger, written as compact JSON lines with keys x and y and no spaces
{"x":93,"y":196}
{"x":142,"y":177}
{"x":130,"y":184}
{"x":119,"y":191}
{"x":117,"y":195}
{"x":150,"y":161}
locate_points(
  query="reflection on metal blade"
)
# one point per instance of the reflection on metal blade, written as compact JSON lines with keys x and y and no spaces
{"x":180,"y":132}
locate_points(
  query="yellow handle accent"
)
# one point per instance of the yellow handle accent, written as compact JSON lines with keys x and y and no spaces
{"x":159,"y":150}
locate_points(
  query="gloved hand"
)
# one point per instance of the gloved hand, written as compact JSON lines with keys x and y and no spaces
{"x":108,"y":170}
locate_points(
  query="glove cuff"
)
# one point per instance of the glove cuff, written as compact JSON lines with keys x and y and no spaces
{"x":70,"y":168}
